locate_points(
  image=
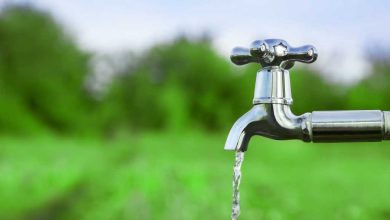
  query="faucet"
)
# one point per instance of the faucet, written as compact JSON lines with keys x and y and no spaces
{"x":271,"y":115}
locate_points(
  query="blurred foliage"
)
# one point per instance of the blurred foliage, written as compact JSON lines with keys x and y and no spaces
{"x":178,"y":85}
{"x":372,"y":93}
{"x":182,"y":83}
{"x":42,"y":73}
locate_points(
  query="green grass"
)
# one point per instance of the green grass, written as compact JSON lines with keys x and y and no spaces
{"x":188,"y":176}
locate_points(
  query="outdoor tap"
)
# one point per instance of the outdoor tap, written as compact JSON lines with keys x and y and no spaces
{"x":271,"y":115}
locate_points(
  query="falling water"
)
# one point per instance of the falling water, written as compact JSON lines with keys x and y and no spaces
{"x":236,"y":184}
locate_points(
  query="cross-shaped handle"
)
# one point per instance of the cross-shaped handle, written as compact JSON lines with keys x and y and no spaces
{"x":273,"y":53}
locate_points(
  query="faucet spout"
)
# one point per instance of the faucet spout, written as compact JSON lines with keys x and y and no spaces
{"x":275,"y":121}
{"x":239,"y":137}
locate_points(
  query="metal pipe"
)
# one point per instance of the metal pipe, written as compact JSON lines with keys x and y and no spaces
{"x":346,"y":126}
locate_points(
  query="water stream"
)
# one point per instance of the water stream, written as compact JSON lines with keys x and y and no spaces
{"x":236,"y":184}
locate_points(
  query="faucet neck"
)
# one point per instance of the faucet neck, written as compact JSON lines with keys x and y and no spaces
{"x":273,"y":86}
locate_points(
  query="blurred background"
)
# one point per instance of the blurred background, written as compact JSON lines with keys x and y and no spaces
{"x":120,"y":109}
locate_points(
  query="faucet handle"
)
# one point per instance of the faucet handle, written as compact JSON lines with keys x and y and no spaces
{"x":273,"y":53}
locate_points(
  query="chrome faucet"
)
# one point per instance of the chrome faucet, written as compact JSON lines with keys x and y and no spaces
{"x":271,"y":116}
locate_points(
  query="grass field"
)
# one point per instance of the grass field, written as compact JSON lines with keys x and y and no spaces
{"x":188,"y":176}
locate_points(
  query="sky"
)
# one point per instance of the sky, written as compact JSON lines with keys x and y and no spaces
{"x":342,"y":31}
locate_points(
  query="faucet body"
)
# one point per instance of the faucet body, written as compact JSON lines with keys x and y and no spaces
{"x":271,"y":115}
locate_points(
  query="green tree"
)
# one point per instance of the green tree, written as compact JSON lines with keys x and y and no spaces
{"x":42,"y":72}
{"x":312,"y":93}
{"x":372,"y":92}
{"x":183,"y":84}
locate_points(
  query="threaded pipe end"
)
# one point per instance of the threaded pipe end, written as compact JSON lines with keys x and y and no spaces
{"x":386,"y":115}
